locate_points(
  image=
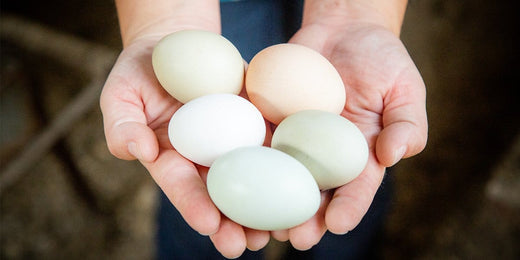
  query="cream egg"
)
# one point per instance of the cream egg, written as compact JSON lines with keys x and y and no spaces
{"x":329,"y":145}
{"x":193,"y":63}
{"x":286,"y":78}
{"x":263,"y":188}
{"x":209,"y":126}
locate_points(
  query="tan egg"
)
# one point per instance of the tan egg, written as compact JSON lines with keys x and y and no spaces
{"x":286,"y":78}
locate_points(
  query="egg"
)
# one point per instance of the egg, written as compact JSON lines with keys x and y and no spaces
{"x":329,"y":145}
{"x":209,"y":126}
{"x":192,"y":63}
{"x":286,"y":78}
{"x":263,"y":188}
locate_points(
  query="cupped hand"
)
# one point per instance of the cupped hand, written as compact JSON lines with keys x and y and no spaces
{"x":136,"y":112}
{"x":385,"y":99}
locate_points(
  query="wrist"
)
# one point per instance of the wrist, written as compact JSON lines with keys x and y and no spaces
{"x":341,"y":13}
{"x":154,"y":19}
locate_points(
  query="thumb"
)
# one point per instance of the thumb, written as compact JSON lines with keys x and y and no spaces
{"x":127,"y":133}
{"x":405,"y":126}
{"x":132,"y":140}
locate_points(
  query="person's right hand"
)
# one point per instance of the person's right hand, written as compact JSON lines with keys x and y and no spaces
{"x":136,"y":112}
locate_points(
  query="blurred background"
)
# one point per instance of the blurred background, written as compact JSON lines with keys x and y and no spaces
{"x":63,"y":196}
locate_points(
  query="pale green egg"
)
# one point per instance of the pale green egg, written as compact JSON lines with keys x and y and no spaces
{"x":263,"y":188}
{"x":193,"y":63}
{"x":329,"y":145}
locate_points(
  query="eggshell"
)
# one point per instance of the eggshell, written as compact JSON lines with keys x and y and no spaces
{"x":286,"y":78}
{"x":329,"y":145}
{"x":209,"y":126}
{"x":193,"y":63}
{"x":263,"y":188}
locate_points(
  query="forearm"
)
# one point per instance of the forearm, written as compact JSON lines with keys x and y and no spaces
{"x":387,"y":13}
{"x":138,"y":18}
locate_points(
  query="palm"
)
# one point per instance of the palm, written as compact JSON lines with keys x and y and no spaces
{"x":135,"y":104}
{"x":137,"y":110}
{"x":385,"y":99}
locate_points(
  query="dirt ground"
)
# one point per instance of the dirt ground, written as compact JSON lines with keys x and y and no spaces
{"x":458,"y":199}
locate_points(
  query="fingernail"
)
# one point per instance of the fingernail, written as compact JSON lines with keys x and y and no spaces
{"x":209,"y":233}
{"x":132,"y":149}
{"x":399,"y":153}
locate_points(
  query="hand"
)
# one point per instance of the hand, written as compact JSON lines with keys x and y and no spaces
{"x":136,"y":112}
{"x":385,"y":99}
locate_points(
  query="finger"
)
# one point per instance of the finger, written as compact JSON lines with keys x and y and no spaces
{"x":308,"y":234}
{"x":351,"y":201}
{"x":132,"y":140}
{"x":203,"y":173}
{"x":405,"y":127}
{"x":230,"y":240}
{"x":280,"y":235}
{"x":256,"y":239}
{"x":127,"y":133}
{"x":180,"y":181}
{"x":268,"y":133}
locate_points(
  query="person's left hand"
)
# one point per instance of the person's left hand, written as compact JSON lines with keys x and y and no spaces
{"x":385,"y":99}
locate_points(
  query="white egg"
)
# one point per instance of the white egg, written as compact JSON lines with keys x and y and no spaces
{"x":193,"y":63}
{"x":209,"y":126}
{"x":329,"y":145}
{"x":263,"y":188}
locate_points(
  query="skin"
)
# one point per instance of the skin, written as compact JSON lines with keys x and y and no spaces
{"x":385,"y":99}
